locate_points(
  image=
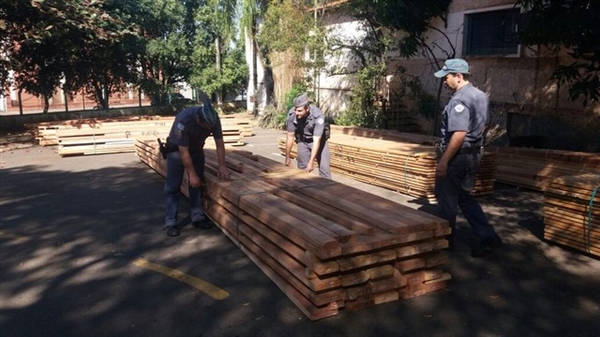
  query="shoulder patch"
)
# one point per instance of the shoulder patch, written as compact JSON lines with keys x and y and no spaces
{"x":459,"y":108}
{"x":180,"y":126}
{"x":320,"y":121}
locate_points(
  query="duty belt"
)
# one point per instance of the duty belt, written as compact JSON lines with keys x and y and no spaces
{"x":469,"y":150}
{"x":464,"y":150}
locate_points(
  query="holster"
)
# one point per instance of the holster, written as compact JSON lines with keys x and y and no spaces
{"x":326,"y":131}
{"x":167,"y":148}
{"x":162,"y":148}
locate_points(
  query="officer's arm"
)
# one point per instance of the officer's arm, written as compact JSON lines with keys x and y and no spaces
{"x":223,"y":171}
{"x":315,"y":149}
{"x":454,"y":145}
{"x":186,"y":158}
{"x":289,"y":141}
{"x":456,"y":141}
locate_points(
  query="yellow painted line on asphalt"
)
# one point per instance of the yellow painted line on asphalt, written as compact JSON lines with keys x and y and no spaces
{"x":205,"y":287}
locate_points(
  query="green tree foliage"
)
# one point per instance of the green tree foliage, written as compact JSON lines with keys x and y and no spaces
{"x":570,"y":24}
{"x":410,"y":17}
{"x":102,"y":45}
{"x":105,"y":66}
{"x":390,"y":26}
{"x":286,"y":27}
{"x":167,"y":30}
{"x":289,"y":27}
{"x":42,"y":38}
{"x":219,"y":65}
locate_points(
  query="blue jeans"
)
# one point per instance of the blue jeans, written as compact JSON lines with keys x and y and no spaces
{"x":323,"y":158}
{"x":455,"y":191}
{"x":172,"y":188}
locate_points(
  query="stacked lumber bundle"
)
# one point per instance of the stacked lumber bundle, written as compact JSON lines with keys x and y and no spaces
{"x":326,"y":245}
{"x":242,"y":122}
{"x":572,"y":212}
{"x":407,"y":168}
{"x":405,"y":137}
{"x":537,"y":168}
{"x":109,"y":137}
{"x":117,"y":135}
{"x":46,"y":131}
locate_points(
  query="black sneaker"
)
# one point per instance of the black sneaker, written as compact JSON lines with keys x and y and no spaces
{"x":203,"y":224}
{"x":486,"y":247}
{"x":173,"y":231}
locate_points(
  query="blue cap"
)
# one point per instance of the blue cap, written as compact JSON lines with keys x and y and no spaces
{"x":453,"y":66}
{"x":207,"y":112}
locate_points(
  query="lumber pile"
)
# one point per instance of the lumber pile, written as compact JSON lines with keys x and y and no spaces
{"x":326,"y":245}
{"x":243,"y":123}
{"x":537,"y":168}
{"x":109,"y":137}
{"x":405,"y":137}
{"x":45,"y":132}
{"x":102,"y":136}
{"x":572,"y":212}
{"x":407,"y":168}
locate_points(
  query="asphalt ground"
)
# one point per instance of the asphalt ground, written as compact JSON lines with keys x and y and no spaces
{"x":83,"y":253}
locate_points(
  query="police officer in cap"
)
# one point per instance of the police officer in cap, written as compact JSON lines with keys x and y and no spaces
{"x":306,"y":126}
{"x":191,"y":128}
{"x":463,"y":125}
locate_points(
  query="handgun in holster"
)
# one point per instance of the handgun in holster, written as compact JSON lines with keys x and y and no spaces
{"x":326,"y":131}
{"x":439,"y":150}
{"x":162,"y":148}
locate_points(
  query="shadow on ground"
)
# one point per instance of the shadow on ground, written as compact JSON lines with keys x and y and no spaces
{"x":72,"y":228}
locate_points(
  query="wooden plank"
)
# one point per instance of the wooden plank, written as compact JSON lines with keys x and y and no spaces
{"x":264,"y":208}
{"x":311,"y":311}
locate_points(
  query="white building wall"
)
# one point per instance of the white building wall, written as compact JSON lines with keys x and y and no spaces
{"x":336,"y":81}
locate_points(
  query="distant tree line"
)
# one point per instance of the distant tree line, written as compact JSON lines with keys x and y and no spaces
{"x":100,"y":46}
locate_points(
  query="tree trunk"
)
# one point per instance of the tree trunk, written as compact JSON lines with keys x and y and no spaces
{"x":99,"y":96}
{"x":218,"y":65}
{"x":46,"y":104}
{"x":20,"y":102}
{"x":106,"y":96}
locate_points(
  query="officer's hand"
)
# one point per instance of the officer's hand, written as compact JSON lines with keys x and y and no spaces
{"x":288,"y":161}
{"x":441,"y":169}
{"x":195,"y":181}
{"x":223,"y":173}
{"x":309,"y":167}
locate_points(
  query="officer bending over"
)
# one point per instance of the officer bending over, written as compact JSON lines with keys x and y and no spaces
{"x":307,"y":127}
{"x":185,"y":153}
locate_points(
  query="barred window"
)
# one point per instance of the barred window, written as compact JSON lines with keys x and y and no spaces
{"x":492,"y":33}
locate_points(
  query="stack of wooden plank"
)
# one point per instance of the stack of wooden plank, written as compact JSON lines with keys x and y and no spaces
{"x":241,"y":121}
{"x":407,"y":168}
{"x":405,"y":137}
{"x":326,"y":245}
{"x":109,"y":137}
{"x":46,"y":135}
{"x":572,"y":212}
{"x":101,"y":136}
{"x":537,"y":168}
